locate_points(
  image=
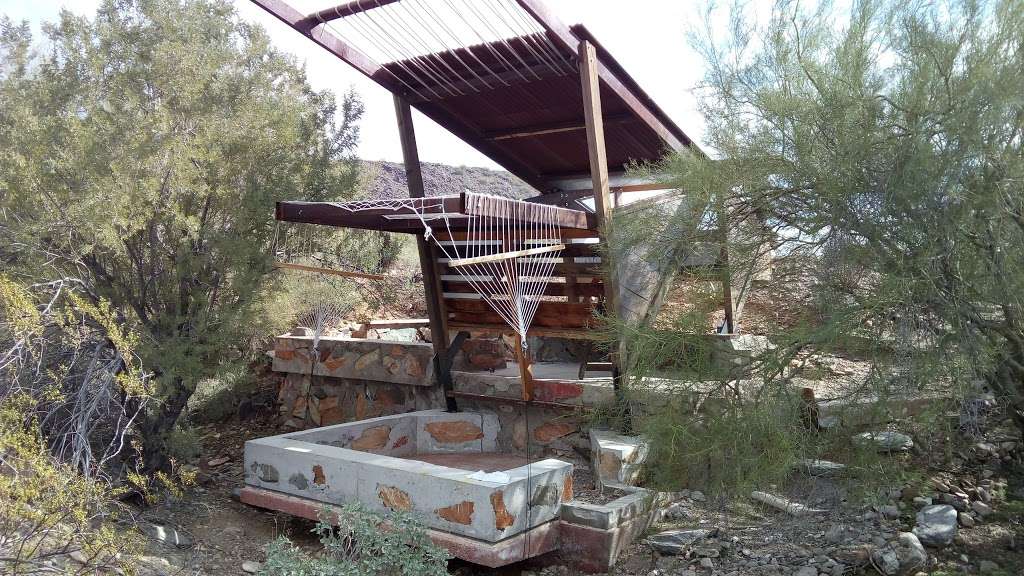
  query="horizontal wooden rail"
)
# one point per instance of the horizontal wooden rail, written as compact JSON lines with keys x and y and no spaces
{"x":506,"y":255}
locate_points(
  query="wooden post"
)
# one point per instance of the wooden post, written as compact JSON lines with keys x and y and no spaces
{"x":525,"y":368}
{"x":436,"y":314}
{"x":599,"y":178}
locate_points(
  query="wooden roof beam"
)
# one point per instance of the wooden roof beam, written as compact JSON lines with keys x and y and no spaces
{"x":340,"y":11}
{"x":328,"y":41}
{"x":552,"y":128}
{"x":500,"y":80}
{"x":570,"y":42}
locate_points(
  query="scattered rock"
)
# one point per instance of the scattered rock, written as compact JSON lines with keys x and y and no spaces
{"x":788,"y":506}
{"x":911,"y":553}
{"x":675,"y":512}
{"x":152,"y":566}
{"x":889,"y":511}
{"x":839,"y":533}
{"x":922,"y":501}
{"x":886,"y":561}
{"x":885,"y":441}
{"x":707,"y":563}
{"x":697,"y":496}
{"x":936,"y":525}
{"x":166,"y":535}
{"x":856,"y":556}
{"x":806,"y":571}
{"x":981,"y":508}
{"x":250,"y":567}
{"x":218,"y":461}
{"x":678,"y":541}
{"x":987,"y":567}
{"x":821,"y":467}
{"x":965,"y":519}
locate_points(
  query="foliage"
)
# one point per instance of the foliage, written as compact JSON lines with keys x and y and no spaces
{"x":730,"y":451}
{"x":362,"y":544}
{"x":885,"y":153}
{"x":142,"y":153}
{"x":48,"y":510}
{"x":876,"y":152}
{"x":80,"y":368}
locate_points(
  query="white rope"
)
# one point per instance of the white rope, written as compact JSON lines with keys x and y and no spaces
{"x":512,"y":287}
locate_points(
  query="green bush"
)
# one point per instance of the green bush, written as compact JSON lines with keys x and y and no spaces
{"x":730,"y":450}
{"x":364,"y":544}
{"x":184,"y":444}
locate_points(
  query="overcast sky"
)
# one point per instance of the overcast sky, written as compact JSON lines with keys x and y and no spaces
{"x":646,"y":36}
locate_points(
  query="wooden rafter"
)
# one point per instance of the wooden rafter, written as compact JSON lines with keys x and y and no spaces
{"x":339,"y":11}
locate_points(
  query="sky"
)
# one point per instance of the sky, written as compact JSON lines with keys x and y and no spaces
{"x":648,"y":37}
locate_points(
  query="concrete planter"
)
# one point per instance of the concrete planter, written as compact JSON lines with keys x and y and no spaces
{"x":377,"y":462}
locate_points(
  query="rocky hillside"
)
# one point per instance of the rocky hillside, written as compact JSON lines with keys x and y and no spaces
{"x":387,"y":180}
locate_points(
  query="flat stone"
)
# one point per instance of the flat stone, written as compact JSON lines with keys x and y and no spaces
{"x":936,"y":525}
{"x":395,"y":498}
{"x":250,"y":567}
{"x":373,"y":438}
{"x":167,"y":535}
{"x":678,"y":541}
{"x":806,"y":571}
{"x":461,"y":513}
{"x":453,"y":431}
{"x":886,"y":441}
{"x":549,"y":431}
{"x":821,"y":467}
{"x":981,"y":508}
{"x":218,"y":461}
{"x":965,"y":519}
{"x":922,"y":501}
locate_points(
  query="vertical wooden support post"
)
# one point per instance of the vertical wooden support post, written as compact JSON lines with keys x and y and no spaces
{"x":599,"y":178}
{"x":436,"y":313}
{"x":525,"y":368}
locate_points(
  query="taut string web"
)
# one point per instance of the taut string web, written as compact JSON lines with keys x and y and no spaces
{"x":507,"y":257}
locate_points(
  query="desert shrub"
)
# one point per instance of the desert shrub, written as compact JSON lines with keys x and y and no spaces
{"x":76,"y":359}
{"x":184,"y":444}
{"x":728,"y":451}
{"x":48,"y":510}
{"x":142,"y":150}
{"x":360,"y":543}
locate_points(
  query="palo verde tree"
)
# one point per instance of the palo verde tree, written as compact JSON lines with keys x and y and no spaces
{"x":881,"y":142}
{"x":142,"y":153}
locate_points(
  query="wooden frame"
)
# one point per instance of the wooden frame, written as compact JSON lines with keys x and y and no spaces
{"x":405,"y":219}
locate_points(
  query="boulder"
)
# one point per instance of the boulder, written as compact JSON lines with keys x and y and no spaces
{"x":911,"y":553}
{"x":936,"y":525}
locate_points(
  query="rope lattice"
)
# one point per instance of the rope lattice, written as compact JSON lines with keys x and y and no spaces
{"x":507,"y":256}
{"x":411,"y":36}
